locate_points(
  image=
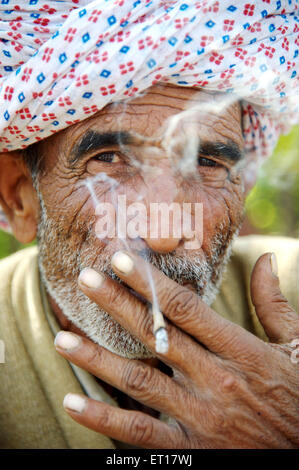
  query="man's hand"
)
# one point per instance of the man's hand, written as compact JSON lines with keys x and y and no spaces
{"x":229,"y":389}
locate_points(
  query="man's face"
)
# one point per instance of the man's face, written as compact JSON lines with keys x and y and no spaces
{"x":131,"y":145}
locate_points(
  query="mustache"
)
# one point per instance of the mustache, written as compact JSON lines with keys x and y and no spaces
{"x":179,"y":268}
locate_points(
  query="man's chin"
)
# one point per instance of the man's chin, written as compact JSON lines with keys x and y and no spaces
{"x":119,"y":341}
{"x":92,"y":321}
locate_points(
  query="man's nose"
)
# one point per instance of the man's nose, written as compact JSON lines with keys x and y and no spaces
{"x":163,"y":199}
{"x":162,"y":244}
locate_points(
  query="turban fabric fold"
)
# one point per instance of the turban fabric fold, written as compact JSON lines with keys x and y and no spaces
{"x":62,"y":61}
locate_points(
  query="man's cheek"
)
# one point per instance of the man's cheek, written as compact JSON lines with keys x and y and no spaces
{"x":222,"y":215}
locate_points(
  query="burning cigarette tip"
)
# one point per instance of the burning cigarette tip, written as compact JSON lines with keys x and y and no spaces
{"x":161,"y":341}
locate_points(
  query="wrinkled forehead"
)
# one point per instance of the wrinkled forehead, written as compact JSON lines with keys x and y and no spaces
{"x":162,"y":110}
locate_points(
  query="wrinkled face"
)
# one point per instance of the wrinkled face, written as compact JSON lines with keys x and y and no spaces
{"x":142,"y":151}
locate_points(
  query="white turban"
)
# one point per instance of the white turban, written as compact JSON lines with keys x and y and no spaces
{"x":62,"y":61}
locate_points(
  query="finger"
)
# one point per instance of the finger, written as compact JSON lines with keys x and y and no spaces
{"x":132,"y":427}
{"x":183,"y":307}
{"x":134,"y":316}
{"x":279,"y":320}
{"x":135,"y":378}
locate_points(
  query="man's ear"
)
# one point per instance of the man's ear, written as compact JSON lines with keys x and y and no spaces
{"x":18,"y":196}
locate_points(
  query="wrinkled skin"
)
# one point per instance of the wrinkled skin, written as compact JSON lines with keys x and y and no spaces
{"x":220,"y":190}
{"x":70,"y":243}
{"x":227,"y":388}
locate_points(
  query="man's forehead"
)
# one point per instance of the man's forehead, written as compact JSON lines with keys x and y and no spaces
{"x":147,"y":114}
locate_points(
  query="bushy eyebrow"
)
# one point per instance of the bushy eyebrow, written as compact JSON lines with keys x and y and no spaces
{"x":226,"y":151}
{"x":93,"y":140}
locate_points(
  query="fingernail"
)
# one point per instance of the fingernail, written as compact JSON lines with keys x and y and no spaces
{"x":274,"y":266}
{"x":122,"y":262}
{"x":91,"y":278}
{"x":66,"y":340}
{"x":74,"y":402}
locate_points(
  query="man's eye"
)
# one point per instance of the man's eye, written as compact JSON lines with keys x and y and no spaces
{"x":108,"y":157}
{"x":202,"y":161}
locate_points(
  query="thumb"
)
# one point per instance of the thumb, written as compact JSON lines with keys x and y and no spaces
{"x":279,"y":320}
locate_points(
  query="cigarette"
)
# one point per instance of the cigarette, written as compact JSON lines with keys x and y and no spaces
{"x":160,"y":332}
{"x":158,"y":318}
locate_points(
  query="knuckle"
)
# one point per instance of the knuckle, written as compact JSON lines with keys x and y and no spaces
{"x":228,"y":384}
{"x":182,"y":302}
{"x":227,"y":336}
{"x":137,"y":378}
{"x":218,"y":421}
{"x":278,"y":297}
{"x":104,"y":420}
{"x":265,"y":298}
{"x":283,"y":308}
{"x":141,"y":429}
{"x":94,"y":357}
{"x":279,"y":302}
{"x":275,"y":306}
{"x":115,"y":296}
{"x":144,"y":325}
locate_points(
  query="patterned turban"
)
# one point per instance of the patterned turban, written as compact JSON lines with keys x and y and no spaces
{"x":62,"y":61}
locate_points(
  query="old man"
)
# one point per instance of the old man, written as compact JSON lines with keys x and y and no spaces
{"x":160,"y":103}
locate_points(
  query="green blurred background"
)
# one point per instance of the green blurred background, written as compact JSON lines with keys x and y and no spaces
{"x":272,"y":206}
